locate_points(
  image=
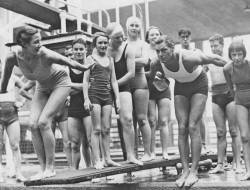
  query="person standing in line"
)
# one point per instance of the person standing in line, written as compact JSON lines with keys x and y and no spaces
{"x":124,"y":64}
{"x":238,"y":79}
{"x":98,"y":84}
{"x":223,"y":106}
{"x":139,"y":86}
{"x":79,"y":120}
{"x":159,"y":96}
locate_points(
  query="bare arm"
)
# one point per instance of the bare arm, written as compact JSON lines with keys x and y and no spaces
{"x":200,"y":58}
{"x":54,"y":57}
{"x":130,"y":62}
{"x":10,"y":62}
{"x":143,"y":60}
{"x":19,"y":83}
{"x":227,"y":73}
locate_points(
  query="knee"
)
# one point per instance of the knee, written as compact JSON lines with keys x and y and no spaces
{"x":75,"y":146}
{"x":193,"y":129}
{"x":14,"y":146}
{"x":127,"y":121}
{"x":163,"y":123}
{"x":105,"y":131}
{"x":233,"y":133}
{"x":221,"y":134}
{"x":96,"y":132}
{"x":245,"y":139}
{"x":43,"y":124}
{"x":152,"y":122}
{"x":141,"y":121}
{"x":182,"y":130}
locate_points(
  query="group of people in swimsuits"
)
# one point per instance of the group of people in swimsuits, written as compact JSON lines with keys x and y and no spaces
{"x":134,"y":75}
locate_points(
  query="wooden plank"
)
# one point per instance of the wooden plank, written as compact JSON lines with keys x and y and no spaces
{"x":76,"y":176}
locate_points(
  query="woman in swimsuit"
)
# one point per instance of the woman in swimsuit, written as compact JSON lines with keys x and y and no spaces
{"x":139,"y":86}
{"x":53,"y":86}
{"x":98,"y":84}
{"x":238,"y":79}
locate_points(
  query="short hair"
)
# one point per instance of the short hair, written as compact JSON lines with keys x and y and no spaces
{"x":97,"y":35}
{"x":79,"y":41}
{"x":217,"y":37}
{"x":184,"y":31}
{"x":132,"y":19}
{"x":151,"y":28}
{"x":112,"y":27}
{"x":24,"y":35}
{"x":167,"y":40}
{"x":237,"y":45}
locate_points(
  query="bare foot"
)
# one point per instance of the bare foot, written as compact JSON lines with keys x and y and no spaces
{"x":146,"y":158}
{"x":20,"y":178}
{"x":135,"y":161}
{"x":245,"y":177}
{"x":180,"y":182}
{"x":110,"y":162}
{"x":165,"y":156}
{"x":99,"y":165}
{"x":37,"y":176}
{"x":217,"y":170}
{"x":49,"y":173}
{"x":1,"y":178}
{"x":153,"y":156}
{"x":239,"y":170}
{"x":191,"y":179}
{"x":96,"y":180}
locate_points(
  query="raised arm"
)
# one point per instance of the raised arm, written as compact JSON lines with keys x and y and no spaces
{"x":200,"y":58}
{"x":10,"y":62}
{"x":57,"y":58}
{"x":130,"y":62}
{"x":227,"y":73}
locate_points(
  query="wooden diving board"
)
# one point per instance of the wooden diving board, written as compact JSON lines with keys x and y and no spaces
{"x":42,"y":12}
{"x":76,"y":176}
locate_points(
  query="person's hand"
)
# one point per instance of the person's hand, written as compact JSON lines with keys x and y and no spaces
{"x":88,"y":105}
{"x":118,"y":106}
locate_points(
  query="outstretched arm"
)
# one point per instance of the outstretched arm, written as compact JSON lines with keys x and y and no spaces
{"x":57,"y":58}
{"x":10,"y":62}
{"x":200,"y":58}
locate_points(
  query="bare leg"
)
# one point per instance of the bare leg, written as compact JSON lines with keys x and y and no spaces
{"x":141,"y":97}
{"x":152,"y":123}
{"x":198,"y":103}
{"x":235,"y":135}
{"x":1,"y":152}
{"x":127,"y":124}
{"x":219,"y":119}
{"x":87,"y":129}
{"x":95,"y":137}
{"x":105,"y":131}
{"x":13,"y":131}
{"x":242,"y":114}
{"x":182,"y":114}
{"x":63,"y":126}
{"x":163,"y":121}
{"x":54,"y":103}
{"x":203,"y":136}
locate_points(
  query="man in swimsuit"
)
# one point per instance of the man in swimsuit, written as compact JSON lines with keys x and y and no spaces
{"x":223,"y":109}
{"x":185,"y":39}
{"x":190,"y":95}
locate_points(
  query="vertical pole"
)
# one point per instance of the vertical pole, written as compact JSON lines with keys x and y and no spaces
{"x":147,"y":14}
{"x":100,"y":18}
{"x":63,"y":21}
{"x":117,"y":12}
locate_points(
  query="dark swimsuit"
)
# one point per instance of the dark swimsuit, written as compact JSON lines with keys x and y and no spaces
{"x":76,"y":107}
{"x":100,"y":91}
{"x":121,"y":70}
